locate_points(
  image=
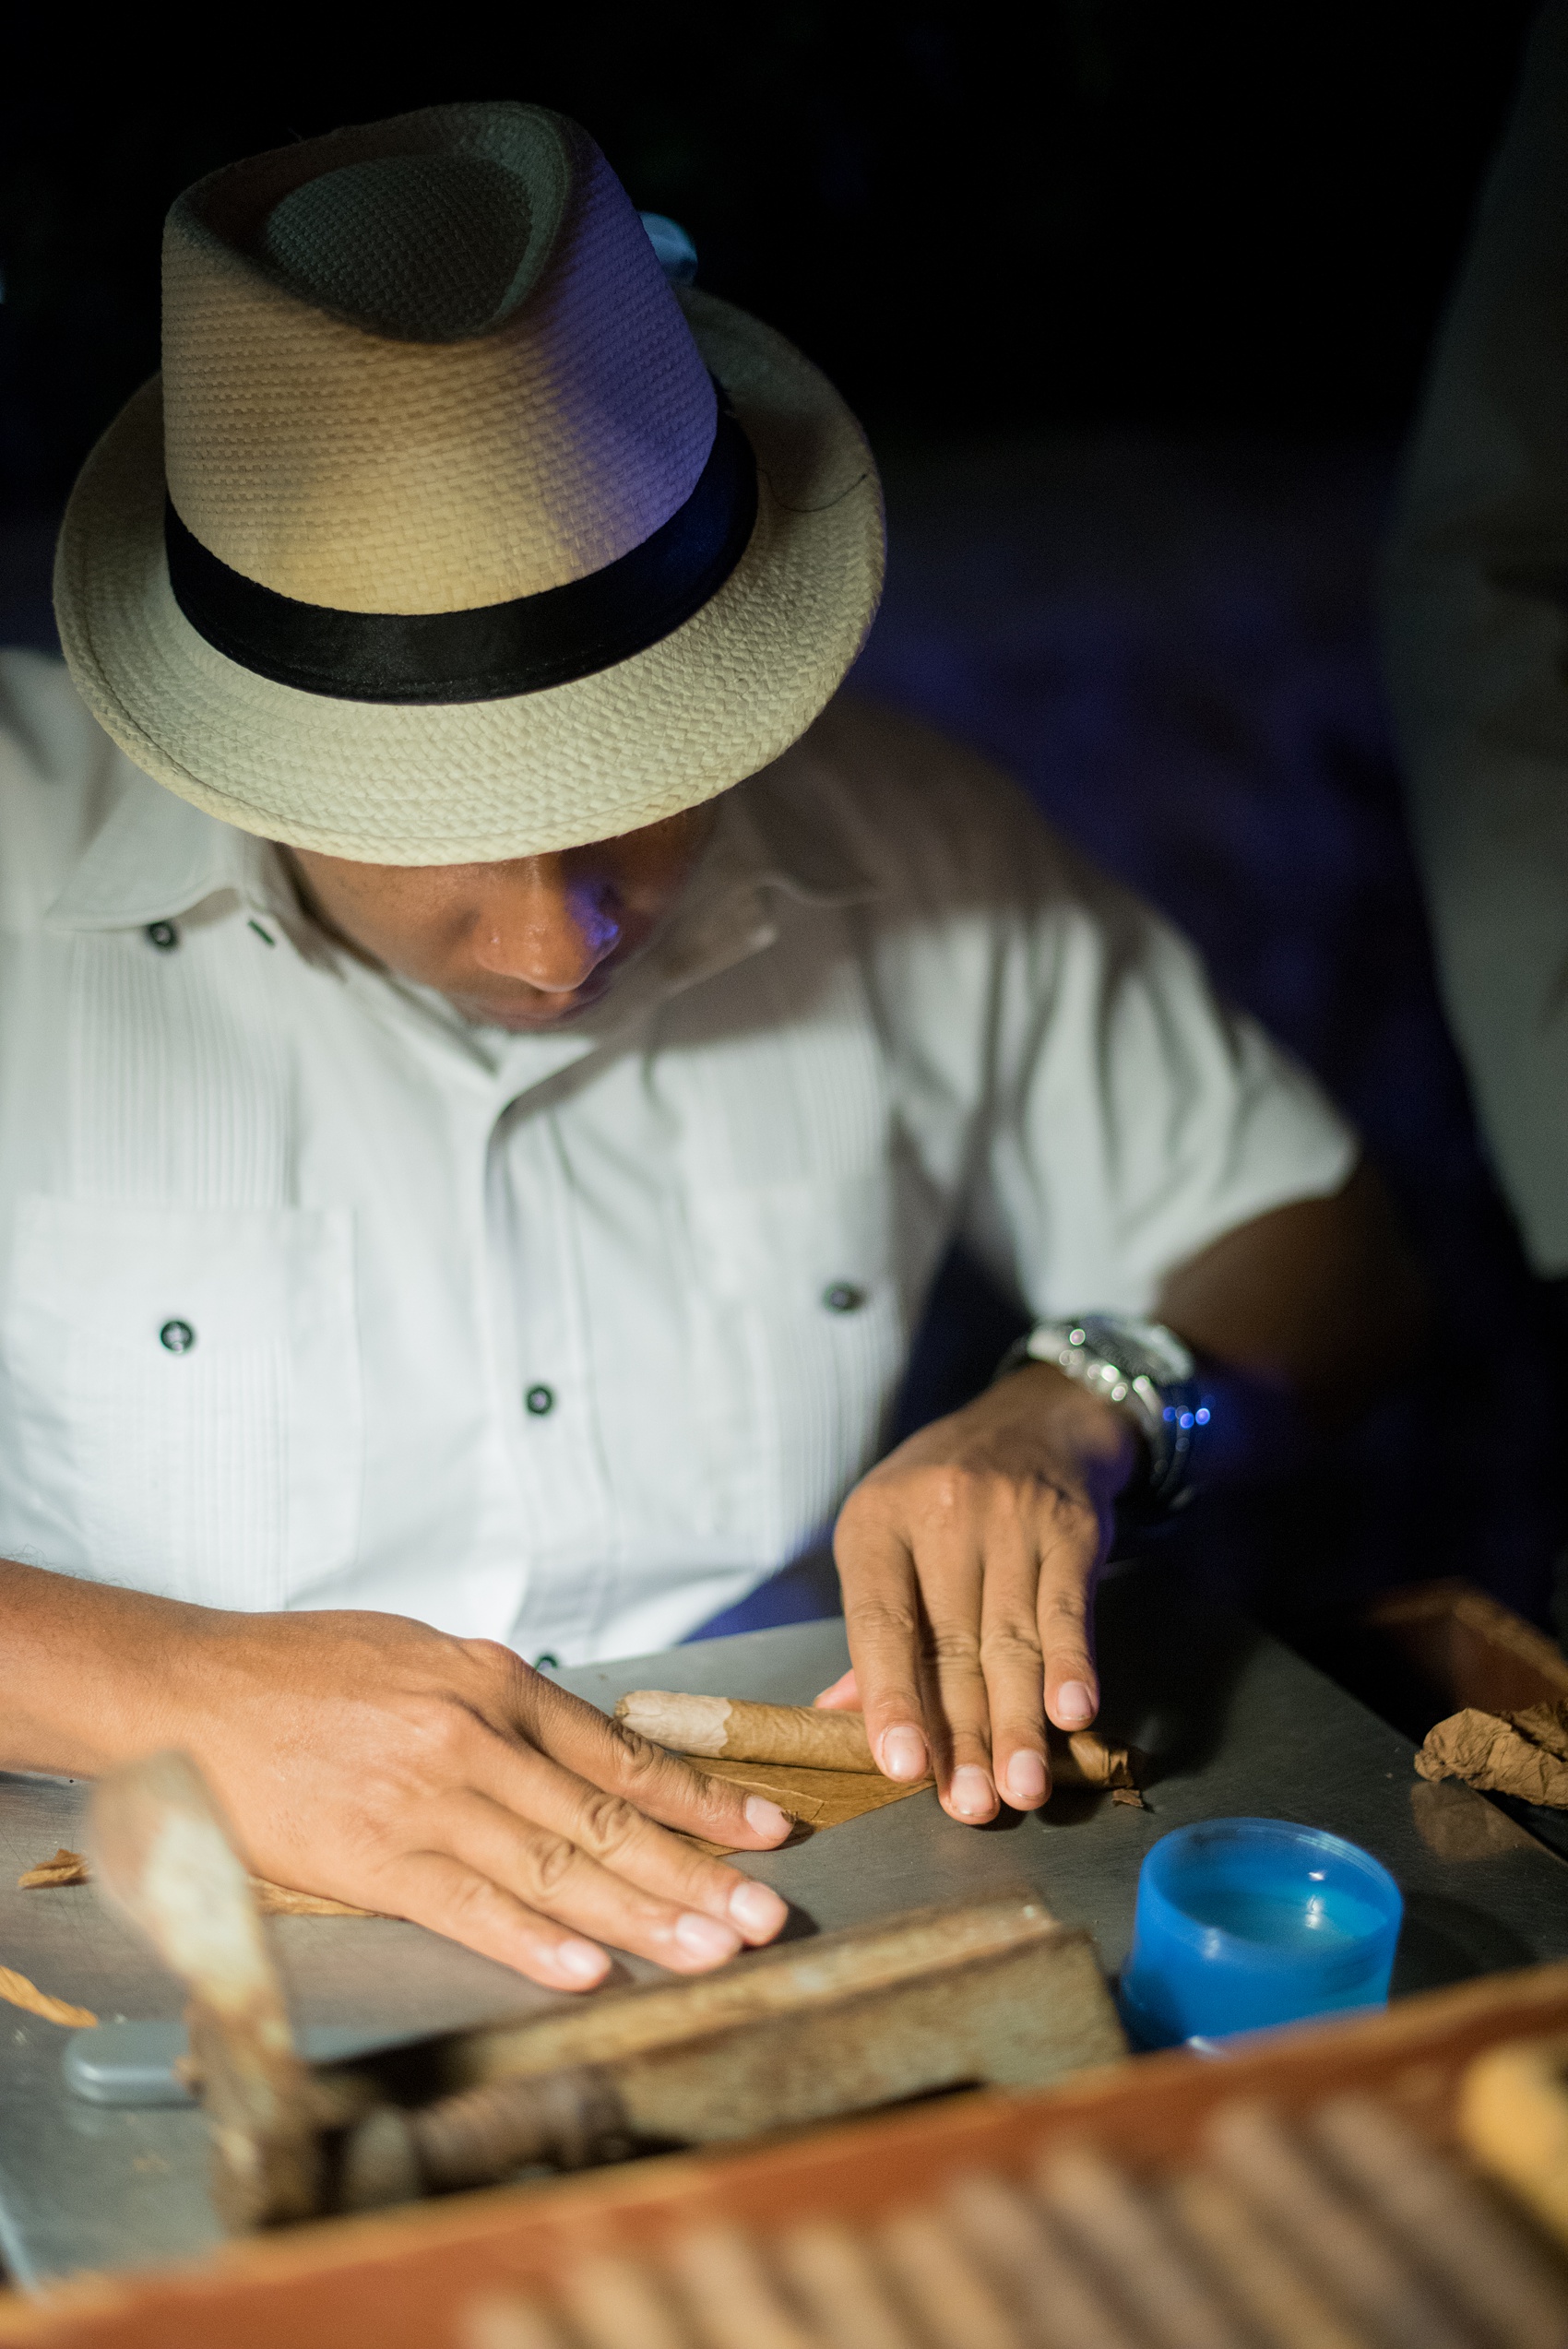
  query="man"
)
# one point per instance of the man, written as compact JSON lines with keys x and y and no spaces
{"x":1474,"y":637}
{"x":478,"y":1139}
{"x":1475,"y":634}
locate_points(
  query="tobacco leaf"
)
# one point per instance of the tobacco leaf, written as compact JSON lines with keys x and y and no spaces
{"x":272,"y":1900}
{"x":1545,"y":1725}
{"x":65,"y":1868}
{"x":21,"y":1992}
{"x":1498,"y":1755}
{"x":281,"y":1900}
{"x":815,"y":1799}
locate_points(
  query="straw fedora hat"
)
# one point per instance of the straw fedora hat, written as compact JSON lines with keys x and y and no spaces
{"x":452,"y":530}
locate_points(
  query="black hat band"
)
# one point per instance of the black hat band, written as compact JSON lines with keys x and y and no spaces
{"x":497,"y":649}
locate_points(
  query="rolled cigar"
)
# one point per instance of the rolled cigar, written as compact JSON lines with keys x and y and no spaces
{"x":744,"y":1732}
{"x":736,"y":2303}
{"x":946,"y":2289}
{"x":817,"y":1738}
{"x":831,"y":2274}
{"x":1493,"y":2271}
{"x":1152,"y":2269}
{"x":1267,"y":2283}
{"x":1066,"y":2306}
{"x":1348,"y":2257}
{"x":1082,"y":1758}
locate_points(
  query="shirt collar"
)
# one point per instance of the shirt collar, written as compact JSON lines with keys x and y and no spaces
{"x":156,"y":858}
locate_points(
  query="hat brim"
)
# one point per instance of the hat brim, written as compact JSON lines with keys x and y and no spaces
{"x":470,"y":782}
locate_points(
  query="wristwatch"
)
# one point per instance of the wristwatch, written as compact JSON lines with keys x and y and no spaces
{"x":1145,"y":1371}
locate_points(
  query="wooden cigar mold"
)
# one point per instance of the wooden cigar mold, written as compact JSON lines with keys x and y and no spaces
{"x":993,"y":1993}
{"x":1318,"y":2191}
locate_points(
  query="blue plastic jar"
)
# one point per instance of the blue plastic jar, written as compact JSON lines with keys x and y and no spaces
{"x":1245,"y":1922}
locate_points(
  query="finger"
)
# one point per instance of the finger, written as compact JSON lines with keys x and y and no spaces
{"x":882,"y":1617}
{"x":845,"y":1693}
{"x":552,"y":1874}
{"x":1011,"y":1661}
{"x":608,"y":1754}
{"x":612,"y":1829}
{"x":951,"y":1582}
{"x":436,"y":1890}
{"x":1071,"y":1557}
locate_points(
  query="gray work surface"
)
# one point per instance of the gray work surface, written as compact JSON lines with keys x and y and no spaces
{"x":1235,"y":1724}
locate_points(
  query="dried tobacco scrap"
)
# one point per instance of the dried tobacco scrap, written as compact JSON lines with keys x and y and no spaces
{"x":65,"y":1868}
{"x":272,"y":1900}
{"x":1523,"y":1753}
{"x":21,"y":1992}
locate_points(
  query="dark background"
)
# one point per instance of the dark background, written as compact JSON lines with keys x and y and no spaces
{"x":1083,"y":212}
{"x":1134,"y":300}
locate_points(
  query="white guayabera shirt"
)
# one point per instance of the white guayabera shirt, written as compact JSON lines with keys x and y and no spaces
{"x":313,"y":1295}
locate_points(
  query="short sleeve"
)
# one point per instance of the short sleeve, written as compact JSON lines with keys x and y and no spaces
{"x":1084,"y":1111}
{"x":1134,"y":1117}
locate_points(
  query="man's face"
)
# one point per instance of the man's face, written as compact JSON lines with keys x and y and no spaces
{"x":522,"y":944}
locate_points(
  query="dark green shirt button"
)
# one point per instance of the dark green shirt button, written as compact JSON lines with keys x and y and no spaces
{"x":178,"y":1336}
{"x":843,"y":1297}
{"x":540,"y":1400}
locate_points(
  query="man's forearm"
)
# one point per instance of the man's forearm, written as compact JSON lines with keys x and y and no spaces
{"x":88,"y":1672}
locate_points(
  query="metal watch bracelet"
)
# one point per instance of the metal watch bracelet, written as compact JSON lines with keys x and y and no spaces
{"x":1143,"y":1369}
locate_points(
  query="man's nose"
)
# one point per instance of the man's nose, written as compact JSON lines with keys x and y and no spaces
{"x":547,"y":926}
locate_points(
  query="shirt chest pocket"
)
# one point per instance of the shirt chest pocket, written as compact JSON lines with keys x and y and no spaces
{"x":797,"y":1247}
{"x":801,"y":1339}
{"x":184,"y":1392}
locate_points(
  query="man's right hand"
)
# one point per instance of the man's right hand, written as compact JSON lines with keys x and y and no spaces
{"x":374,"y":1760}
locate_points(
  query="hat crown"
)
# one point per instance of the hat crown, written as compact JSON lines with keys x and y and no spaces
{"x":422,"y":247}
{"x":425,"y":366}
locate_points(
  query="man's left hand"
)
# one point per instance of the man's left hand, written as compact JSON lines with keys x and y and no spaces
{"x":967,"y":1559}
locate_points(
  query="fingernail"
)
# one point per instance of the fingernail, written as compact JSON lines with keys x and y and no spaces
{"x":757,"y":1910}
{"x":766,"y":1818}
{"x":1025,"y":1778}
{"x":970,"y":1793}
{"x":706,"y":1939}
{"x":1074,"y":1704}
{"x":903,"y":1755}
{"x":581,"y":1961}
